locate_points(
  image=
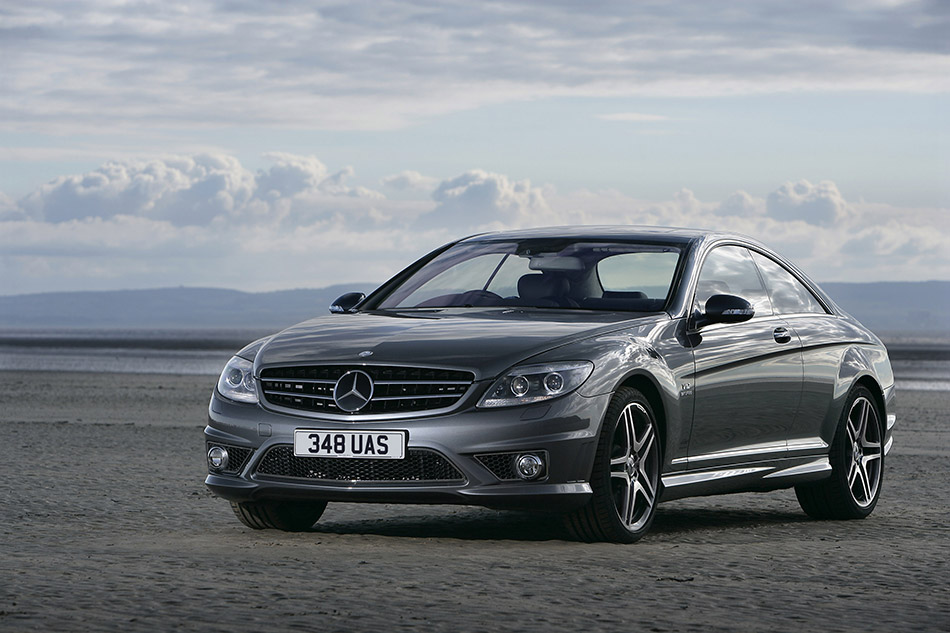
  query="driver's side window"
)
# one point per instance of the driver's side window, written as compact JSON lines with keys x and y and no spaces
{"x":729,"y":270}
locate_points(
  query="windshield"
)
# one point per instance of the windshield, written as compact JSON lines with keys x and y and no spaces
{"x":542,"y":274}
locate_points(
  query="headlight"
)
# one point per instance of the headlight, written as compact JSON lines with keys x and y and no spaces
{"x":534,"y":383}
{"x":237,"y":380}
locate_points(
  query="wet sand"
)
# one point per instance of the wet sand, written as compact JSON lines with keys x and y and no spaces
{"x":105,"y":524}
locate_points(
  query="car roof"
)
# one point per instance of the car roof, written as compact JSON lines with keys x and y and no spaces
{"x":670,"y":235}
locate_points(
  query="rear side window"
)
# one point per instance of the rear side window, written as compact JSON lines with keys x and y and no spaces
{"x":789,"y":296}
{"x":729,"y":270}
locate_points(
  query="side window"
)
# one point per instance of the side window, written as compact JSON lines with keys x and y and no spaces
{"x":789,"y":296}
{"x":729,"y":270}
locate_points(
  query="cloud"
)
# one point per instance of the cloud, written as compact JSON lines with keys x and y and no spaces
{"x":291,"y":175}
{"x":183,"y":190}
{"x":97,"y":65}
{"x":206,"y":220}
{"x":821,"y":204}
{"x":481,"y":199}
{"x":193,"y":190}
{"x":9,"y":210}
{"x":740,"y":204}
{"x":410,"y":180}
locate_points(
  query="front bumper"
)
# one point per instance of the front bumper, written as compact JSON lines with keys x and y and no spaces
{"x":564,"y":430}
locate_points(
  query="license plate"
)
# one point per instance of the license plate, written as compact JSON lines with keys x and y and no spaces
{"x":353,"y":444}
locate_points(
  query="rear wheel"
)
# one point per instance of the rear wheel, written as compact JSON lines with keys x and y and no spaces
{"x":289,"y":516}
{"x":857,"y":462}
{"x":626,"y":474}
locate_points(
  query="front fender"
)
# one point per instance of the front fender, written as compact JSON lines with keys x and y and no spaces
{"x":646,"y":353}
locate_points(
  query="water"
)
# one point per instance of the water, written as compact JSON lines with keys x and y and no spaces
{"x":922,"y":375}
{"x":916,"y":366}
{"x":191,"y":352}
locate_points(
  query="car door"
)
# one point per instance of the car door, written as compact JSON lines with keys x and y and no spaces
{"x":748,"y":376}
{"x":818,"y":331}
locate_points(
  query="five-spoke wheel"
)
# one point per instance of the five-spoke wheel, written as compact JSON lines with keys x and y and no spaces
{"x":857,"y":463}
{"x":864,"y":434}
{"x":634,"y":466}
{"x":626,"y":474}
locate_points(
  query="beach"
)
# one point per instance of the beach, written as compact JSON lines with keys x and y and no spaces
{"x":107,"y":525}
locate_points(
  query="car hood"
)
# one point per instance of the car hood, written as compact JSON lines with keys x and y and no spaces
{"x":486,"y":341}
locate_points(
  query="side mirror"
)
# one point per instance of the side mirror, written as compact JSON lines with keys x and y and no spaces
{"x":347,"y":302}
{"x":725,"y":309}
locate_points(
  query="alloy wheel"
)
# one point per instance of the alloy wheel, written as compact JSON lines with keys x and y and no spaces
{"x":864,"y":435}
{"x":634,"y":466}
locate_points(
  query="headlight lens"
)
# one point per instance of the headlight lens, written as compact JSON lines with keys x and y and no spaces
{"x":533,"y":383}
{"x":237,"y":380}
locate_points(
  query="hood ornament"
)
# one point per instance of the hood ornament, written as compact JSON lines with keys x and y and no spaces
{"x":365,"y":354}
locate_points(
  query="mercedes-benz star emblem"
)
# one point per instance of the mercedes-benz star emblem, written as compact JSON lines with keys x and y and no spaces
{"x":365,"y":354}
{"x":353,"y":391}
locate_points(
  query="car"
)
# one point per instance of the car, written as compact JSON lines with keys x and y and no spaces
{"x":589,"y":372}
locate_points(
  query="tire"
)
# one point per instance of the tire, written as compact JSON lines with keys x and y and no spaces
{"x":857,"y":464}
{"x":289,"y":516}
{"x":625,"y":478}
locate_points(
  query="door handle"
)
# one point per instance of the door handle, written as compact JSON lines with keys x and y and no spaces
{"x":781,"y":335}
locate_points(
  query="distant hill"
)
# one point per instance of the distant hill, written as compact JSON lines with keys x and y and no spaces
{"x":916,"y":308}
{"x":894,"y":307}
{"x":170,"y":308}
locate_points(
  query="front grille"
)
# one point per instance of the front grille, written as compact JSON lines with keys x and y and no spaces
{"x":237,"y":457}
{"x":395,"y":389}
{"x":419,"y":465}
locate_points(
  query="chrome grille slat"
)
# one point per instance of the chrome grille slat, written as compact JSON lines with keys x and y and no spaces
{"x":396,"y":389}
{"x":408,"y":397}
{"x":423,"y":382}
{"x":298,"y":395}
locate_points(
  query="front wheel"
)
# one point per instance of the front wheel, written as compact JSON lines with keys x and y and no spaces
{"x":289,"y":516}
{"x":857,"y":464}
{"x":626,"y":476}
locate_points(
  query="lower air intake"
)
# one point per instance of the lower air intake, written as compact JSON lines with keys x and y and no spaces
{"x":419,"y":465}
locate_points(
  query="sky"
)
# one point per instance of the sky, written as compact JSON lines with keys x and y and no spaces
{"x":272,"y":145}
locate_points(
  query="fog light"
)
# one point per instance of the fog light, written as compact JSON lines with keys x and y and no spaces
{"x":218,"y":458}
{"x":529,"y":466}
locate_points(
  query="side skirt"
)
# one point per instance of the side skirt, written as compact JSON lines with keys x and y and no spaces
{"x":753,"y":477}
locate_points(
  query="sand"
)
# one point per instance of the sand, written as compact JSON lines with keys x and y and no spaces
{"x":105,"y":524}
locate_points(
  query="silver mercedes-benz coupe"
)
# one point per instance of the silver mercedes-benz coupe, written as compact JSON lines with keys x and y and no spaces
{"x":588,"y":371}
